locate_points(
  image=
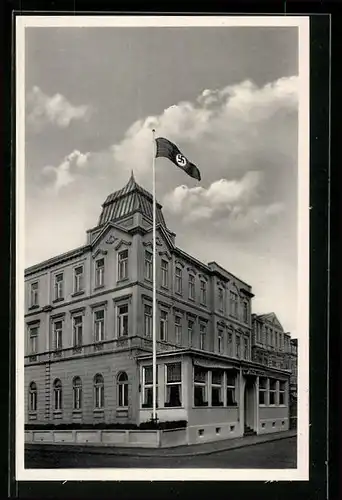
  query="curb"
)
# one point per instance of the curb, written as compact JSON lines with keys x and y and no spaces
{"x":130,"y":451}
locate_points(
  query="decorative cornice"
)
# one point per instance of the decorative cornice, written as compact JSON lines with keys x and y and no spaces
{"x":99,"y":251}
{"x":103,"y":303}
{"x":247,"y":292}
{"x":56,"y":316}
{"x":192,"y":270}
{"x":166,"y":254}
{"x":164,"y":304}
{"x":179,"y":263}
{"x":33,"y":322}
{"x":112,"y":239}
{"x":122,"y":243}
{"x":77,"y":311}
{"x":59,"y":259}
{"x":122,"y":298}
{"x":203,"y":277}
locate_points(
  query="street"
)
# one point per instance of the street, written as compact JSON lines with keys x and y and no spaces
{"x":281,"y":454}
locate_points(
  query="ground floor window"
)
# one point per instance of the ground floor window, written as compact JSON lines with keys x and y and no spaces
{"x":216,"y":388}
{"x":98,"y":392}
{"x":200,"y":386}
{"x":77,"y":393}
{"x":173,"y":384}
{"x":33,"y":396}
{"x":148,"y":386}
{"x":262,"y":390}
{"x":123,"y":390}
{"x":57,"y":395}
{"x":231,"y":401}
{"x":282,"y":392}
{"x":273,"y":391}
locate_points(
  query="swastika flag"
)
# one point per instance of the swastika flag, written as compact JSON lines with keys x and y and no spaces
{"x":167,"y":149}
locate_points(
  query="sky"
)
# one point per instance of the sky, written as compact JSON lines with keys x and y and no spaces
{"x":227,"y":96}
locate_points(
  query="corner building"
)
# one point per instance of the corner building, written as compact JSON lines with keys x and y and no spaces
{"x":88,"y":333}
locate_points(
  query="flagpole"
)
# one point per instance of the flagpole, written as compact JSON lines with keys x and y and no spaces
{"x":154,"y":332}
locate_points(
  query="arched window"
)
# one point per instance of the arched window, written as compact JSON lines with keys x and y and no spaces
{"x":33,"y":396}
{"x":123,"y":390}
{"x":98,"y":391}
{"x":57,"y":394}
{"x":77,"y":393}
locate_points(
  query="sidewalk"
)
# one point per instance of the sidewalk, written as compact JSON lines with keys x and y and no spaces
{"x":178,"y":451}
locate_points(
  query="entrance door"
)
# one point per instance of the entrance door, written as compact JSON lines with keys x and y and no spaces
{"x":249,"y":405}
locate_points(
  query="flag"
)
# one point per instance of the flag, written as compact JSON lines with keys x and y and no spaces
{"x":167,"y":149}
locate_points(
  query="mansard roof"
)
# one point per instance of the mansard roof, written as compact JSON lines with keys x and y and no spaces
{"x":131,"y":198}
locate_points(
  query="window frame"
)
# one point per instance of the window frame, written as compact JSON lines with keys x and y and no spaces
{"x":58,"y":335}
{"x":34,"y":294}
{"x":220,"y":339}
{"x":220,"y":299}
{"x":164,"y":267}
{"x":190,"y":331}
{"x":97,"y":322}
{"x":201,"y":384}
{"x":178,"y":280}
{"x":78,"y":279}
{"x":99,"y":396}
{"x":121,"y":320}
{"x":57,"y":395}
{"x":33,"y":344}
{"x":75,"y":331}
{"x":33,"y":397}
{"x":203,"y":292}
{"x":282,"y":391}
{"x":122,"y":388}
{"x":148,"y":321}
{"x":163,"y":321}
{"x":203,"y":335}
{"x":232,"y":388}
{"x":99,"y":272}
{"x":123,"y":265}
{"x":219,"y":386}
{"x":59,"y":286}
{"x":263,"y":390}
{"x":148,"y":266}
{"x":148,"y":387}
{"x":191,"y":287}
{"x":77,"y":393}
{"x":272,"y":391}
{"x":168,"y":384}
{"x":178,"y":329}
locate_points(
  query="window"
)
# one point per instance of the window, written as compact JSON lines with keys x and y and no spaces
{"x":191,"y":332}
{"x":220,"y":299}
{"x":59,"y":286}
{"x":231,"y":389}
{"x":148,"y":265}
{"x":267,"y":339}
{"x":148,"y":321}
{"x":123,"y":320}
{"x":281,"y":392}
{"x":238,"y":346}
{"x":77,"y":393}
{"x":99,"y":272}
{"x":163,"y":326}
{"x":57,"y":395}
{"x":179,"y":280}
{"x":273,"y":391}
{"x":246,"y":348}
{"x":178,"y":329}
{"x":200,"y":386}
{"x":34,"y":294}
{"x":220,"y":340}
{"x":148,"y":386}
{"x":245,"y":311}
{"x":165,"y":273}
{"x":191,"y":287}
{"x":203,"y":331}
{"x":78,"y":279}
{"x":216,"y":388}
{"x":123,"y":390}
{"x":99,"y":325}
{"x":58,"y":335}
{"x":173,"y":384}
{"x":123,"y":265}
{"x":203,"y":292}
{"x":230,"y":344}
{"x":98,"y":392}
{"x":33,"y":339}
{"x":262,"y":390}
{"x":33,"y":397}
{"x":276,"y":340}
{"x":78,"y":330}
{"x":233,"y":304}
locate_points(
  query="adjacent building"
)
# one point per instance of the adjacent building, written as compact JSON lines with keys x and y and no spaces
{"x":88,"y":332}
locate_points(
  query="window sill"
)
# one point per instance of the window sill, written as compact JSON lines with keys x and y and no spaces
{"x":60,"y":299}
{"x":169,"y":405}
{"x":146,"y":406}
{"x":203,"y":405}
{"x":192,"y":299}
{"x":148,"y":280}
{"x":203,"y":305}
{"x":163,"y":287}
{"x":217,"y":405}
{"x":57,"y":414}
{"x":99,"y":411}
{"x":76,"y":294}
{"x":122,"y":280}
{"x":98,"y":287}
{"x":33,"y":307}
{"x":77,"y":412}
{"x":180,"y":294}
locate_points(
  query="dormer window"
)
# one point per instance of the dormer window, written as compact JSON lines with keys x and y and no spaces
{"x":123,"y":265}
{"x":99,"y":272}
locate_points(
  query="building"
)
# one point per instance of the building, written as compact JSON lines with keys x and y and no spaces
{"x":89,"y":326}
{"x":293,"y":382}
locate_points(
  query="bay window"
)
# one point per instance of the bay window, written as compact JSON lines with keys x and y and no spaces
{"x":216,"y":387}
{"x":173,"y":384}
{"x":200,"y":386}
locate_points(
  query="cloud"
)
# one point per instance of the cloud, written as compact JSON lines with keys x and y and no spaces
{"x":64,"y":174}
{"x":231,"y":200}
{"x":56,"y":110}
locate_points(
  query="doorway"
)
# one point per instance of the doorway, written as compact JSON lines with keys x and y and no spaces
{"x":249,"y":406}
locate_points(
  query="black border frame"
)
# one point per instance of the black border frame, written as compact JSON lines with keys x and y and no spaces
{"x":322,"y":185}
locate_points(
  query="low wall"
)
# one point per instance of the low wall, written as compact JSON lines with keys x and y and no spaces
{"x":130,"y":438}
{"x":213,"y":432}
